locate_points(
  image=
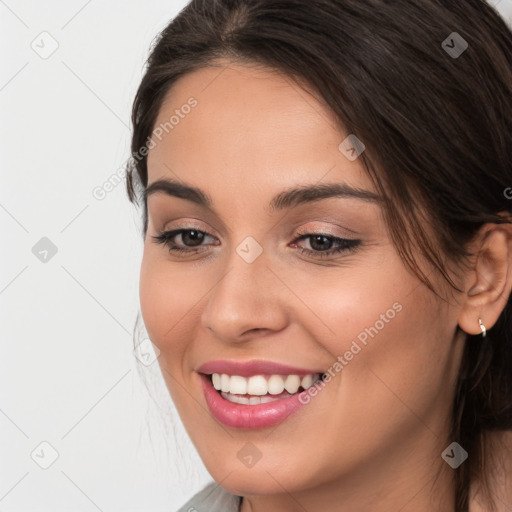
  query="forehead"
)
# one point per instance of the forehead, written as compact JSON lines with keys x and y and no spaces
{"x":249,"y":124}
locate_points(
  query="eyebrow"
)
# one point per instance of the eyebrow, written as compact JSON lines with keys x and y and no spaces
{"x":287,"y":199}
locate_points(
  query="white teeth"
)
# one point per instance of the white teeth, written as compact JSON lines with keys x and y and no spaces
{"x":216,"y":381}
{"x":235,"y":398}
{"x":257,"y":385}
{"x":238,"y":385}
{"x":306,"y":381}
{"x":292,"y":384}
{"x":225,"y":382}
{"x":253,"y":400}
{"x":260,"y":385}
{"x":275,"y":385}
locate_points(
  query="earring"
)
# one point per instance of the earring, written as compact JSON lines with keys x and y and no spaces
{"x":482,"y":326}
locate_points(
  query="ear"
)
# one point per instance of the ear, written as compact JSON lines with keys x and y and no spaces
{"x":489,"y":281}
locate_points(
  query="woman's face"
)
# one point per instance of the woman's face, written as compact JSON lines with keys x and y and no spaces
{"x":271,"y":283}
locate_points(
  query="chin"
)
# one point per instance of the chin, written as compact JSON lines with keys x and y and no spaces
{"x":265,"y":479}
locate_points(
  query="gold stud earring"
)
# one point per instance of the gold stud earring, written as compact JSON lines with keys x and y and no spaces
{"x":482,"y":326}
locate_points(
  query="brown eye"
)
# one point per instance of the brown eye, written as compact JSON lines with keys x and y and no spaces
{"x":320,"y":242}
{"x":322,"y":245}
{"x":191,"y":238}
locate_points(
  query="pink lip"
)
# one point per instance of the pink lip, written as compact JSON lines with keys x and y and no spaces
{"x":249,"y":368}
{"x":248,"y":416}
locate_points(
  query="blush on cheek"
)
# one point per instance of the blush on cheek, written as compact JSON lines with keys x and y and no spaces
{"x":166,"y":309}
{"x":156,"y":308}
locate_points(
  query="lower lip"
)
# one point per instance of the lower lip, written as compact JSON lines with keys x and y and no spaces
{"x":248,"y":416}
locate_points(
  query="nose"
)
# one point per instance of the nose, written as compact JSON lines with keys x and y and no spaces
{"x":246,"y":302}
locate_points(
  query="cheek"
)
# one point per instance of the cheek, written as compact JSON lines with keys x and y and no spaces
{"x":169,"y":306}
{"x":167,"y":301}
{"x":341,"y":306}
{"x":396,"y":368}
{"x":388,"y":338}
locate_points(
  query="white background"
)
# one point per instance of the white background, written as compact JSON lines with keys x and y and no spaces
{"x":68,"y":375}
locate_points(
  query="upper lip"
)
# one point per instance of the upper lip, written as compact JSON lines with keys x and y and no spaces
{"x":250,"y":368}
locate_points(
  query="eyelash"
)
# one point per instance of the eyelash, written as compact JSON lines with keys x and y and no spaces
{"x":345,"y":244}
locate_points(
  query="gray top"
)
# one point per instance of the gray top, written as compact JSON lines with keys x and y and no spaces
{"x":213,"y":498}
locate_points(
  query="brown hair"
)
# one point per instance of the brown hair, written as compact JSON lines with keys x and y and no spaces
{"x":437,"y":130}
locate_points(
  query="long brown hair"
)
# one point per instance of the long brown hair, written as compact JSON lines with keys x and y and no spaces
{"x":437,"y":129}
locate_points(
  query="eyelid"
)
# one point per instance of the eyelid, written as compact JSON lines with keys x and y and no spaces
{"x":186,"y":225}
{"x":301,"y":233}
{"x":327,"y":231}
{"x":344,"y":245}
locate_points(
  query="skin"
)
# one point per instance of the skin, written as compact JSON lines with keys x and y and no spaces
{"x":372,"y":438}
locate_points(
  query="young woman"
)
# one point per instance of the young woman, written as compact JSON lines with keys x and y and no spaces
{"x":327,"y":195}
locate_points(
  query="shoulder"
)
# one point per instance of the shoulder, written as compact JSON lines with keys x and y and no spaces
{"x":212,"y":498}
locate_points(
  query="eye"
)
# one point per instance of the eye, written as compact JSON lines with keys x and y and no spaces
{"x":191,"y":238}
{"x":324,"y":245}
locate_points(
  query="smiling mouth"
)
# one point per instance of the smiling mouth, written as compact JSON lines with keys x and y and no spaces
{"x":261,"y":389}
